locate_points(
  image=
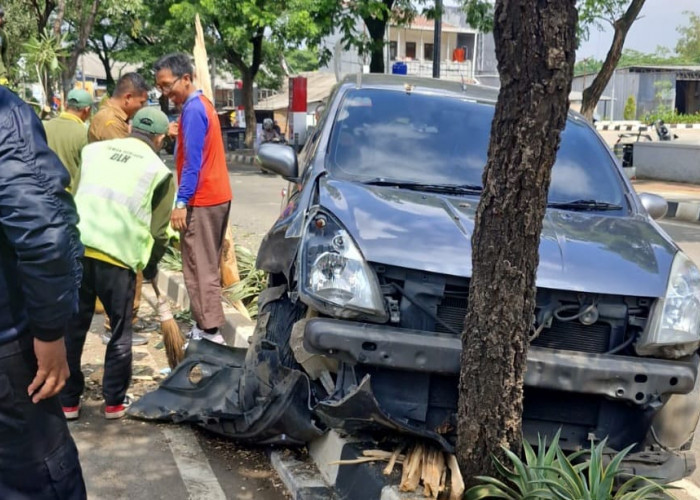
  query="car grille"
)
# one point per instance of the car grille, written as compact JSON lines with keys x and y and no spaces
{"x":569,"y":336}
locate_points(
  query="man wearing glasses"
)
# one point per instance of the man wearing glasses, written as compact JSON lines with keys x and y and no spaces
{"x":204,"y":193}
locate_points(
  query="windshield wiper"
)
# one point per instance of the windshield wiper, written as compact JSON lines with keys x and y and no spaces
{"x":592,"y":205}
{"x":433,"y":188}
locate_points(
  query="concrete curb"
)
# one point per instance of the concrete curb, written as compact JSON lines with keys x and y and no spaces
{"x":630,"y":127}
{"x":348,"y":482}
{"x":246,"y":159}
{"x":237,"y":329}
{"x":686,"y":211}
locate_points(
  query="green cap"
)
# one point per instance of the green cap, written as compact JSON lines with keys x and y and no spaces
{"x":151,"y":120}
{"x":79,"y":98}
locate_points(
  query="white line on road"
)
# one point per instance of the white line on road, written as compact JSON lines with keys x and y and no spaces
{"x":688,"y":487}
{"x":196,"y":473}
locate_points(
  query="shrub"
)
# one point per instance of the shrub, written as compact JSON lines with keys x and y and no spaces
{"x":550,"y":474}
{"x":630,"y":111}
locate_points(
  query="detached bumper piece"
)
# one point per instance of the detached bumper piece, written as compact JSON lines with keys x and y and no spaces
{"x":635,"y":380}
{"x":214,"y":387}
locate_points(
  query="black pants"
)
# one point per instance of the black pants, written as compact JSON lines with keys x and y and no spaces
{"x":115,"y":287}
{"x":38,"y":458}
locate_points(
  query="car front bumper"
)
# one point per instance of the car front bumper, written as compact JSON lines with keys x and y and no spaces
{"x":635,"y":380}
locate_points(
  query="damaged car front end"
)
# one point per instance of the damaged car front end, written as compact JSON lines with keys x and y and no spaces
{"x":360,"y":329}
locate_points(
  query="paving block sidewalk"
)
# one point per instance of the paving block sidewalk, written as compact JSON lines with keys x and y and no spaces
{"x":683,"y":199}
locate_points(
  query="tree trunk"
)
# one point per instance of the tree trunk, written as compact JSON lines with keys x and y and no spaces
{"x":535,"y":47}
{"x":591,"y":95}
{"x":71,"y":63}
{"x":377,"y":30}
{"x":249,"y":108}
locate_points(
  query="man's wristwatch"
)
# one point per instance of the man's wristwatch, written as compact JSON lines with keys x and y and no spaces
{"x":180,"y":204}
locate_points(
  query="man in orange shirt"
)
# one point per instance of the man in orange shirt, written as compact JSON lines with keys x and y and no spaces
{"x":204,"y":193}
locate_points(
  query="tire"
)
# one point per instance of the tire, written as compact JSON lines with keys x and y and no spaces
{"x":283,"y":313}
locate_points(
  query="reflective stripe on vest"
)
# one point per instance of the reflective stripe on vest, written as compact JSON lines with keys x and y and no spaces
{"x":114,"y":198}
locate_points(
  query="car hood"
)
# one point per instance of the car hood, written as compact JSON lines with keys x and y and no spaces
{"x":579,"y":251}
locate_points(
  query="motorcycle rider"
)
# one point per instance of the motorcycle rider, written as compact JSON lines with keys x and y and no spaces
{"x":269,"y":134}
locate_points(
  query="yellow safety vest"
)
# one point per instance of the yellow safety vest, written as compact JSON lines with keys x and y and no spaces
{"x":114,"y":198}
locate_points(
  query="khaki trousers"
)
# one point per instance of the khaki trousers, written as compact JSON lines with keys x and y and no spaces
{"x":201,"y":244}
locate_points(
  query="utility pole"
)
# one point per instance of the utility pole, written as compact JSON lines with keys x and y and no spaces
{"x":437,"y":36}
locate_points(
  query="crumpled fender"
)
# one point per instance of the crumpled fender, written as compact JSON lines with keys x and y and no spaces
{"x":261,"y":402}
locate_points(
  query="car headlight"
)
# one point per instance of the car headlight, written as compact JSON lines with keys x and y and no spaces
{"x":673,"y":329}
{"x":334,"y":276}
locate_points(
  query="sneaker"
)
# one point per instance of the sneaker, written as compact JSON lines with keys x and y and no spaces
{"x":195,"y":333}
{"x":217,"y":338}
{"x":71,"y":412}
{"x":113,"y":412}
{"x":141,"y":325}
{"x":136,"y":339}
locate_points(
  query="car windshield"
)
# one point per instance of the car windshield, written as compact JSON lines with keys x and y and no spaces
{"x":411,"y":139}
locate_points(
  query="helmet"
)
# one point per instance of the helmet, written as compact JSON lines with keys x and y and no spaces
{"x":267,"y":124}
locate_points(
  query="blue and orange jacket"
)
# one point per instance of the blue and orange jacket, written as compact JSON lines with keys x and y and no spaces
{"x":200,"y":158}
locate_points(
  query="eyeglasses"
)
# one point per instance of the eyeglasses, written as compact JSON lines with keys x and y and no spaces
{"x":165,"y":89}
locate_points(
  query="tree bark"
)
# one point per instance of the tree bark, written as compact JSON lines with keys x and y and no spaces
{"x":591,"y":95}
{"x":377,"y":30}
{"x":42,"y":13}
{"x":84,"y":30}
{"x":248,"y":74}
{"x":535,"y":47}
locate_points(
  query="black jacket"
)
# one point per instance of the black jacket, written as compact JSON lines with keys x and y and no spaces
{"x":40,"y":246}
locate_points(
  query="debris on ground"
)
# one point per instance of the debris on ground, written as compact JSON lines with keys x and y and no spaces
{"x":422,"y":464}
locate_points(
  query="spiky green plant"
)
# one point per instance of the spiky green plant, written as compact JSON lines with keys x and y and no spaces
{"x":253,"y":281}
{"x":550,"y":474}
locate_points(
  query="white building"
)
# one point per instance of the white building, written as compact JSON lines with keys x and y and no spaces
{"x":465,"y":53}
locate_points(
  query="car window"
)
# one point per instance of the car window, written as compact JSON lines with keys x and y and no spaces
{"x":438,"y":139}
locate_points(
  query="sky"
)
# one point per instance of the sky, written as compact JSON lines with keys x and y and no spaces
{"x":656,"y":26}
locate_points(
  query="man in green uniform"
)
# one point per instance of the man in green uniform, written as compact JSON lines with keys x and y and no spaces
{"x":4,"y":64}
{"x":124,"y":202}
{"x":67,"y":134}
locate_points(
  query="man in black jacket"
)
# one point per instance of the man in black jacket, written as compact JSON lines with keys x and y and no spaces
{"x":40,"y":275}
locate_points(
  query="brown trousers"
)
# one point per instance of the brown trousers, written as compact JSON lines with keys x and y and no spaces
{"x":201,"y":246}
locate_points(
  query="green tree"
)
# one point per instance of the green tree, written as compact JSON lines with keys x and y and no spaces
{"x":535,"y":48}
{"x":630,"y":112}
{"x":688,"y":45}
{"x":118,"y":24}
{"x":74,"y":21}
{"x":350,"y":19}
{"x":620,"y":14}
{"x":241,"y":29}
{"x":43,"y":54}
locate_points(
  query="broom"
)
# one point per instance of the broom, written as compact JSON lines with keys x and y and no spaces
{"x":173,"y":340}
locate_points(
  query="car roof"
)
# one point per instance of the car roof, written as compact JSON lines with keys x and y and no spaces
{"x":419,"y":84}
{"x":479,"y":93}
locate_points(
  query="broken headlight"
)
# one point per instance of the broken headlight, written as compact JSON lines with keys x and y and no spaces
{"x":673,"y":329}
{"x":335,"y":278}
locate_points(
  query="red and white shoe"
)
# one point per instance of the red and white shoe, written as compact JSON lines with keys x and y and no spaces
{"x":113,"y":412}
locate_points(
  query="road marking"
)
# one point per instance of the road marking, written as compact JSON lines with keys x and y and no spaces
{"x":689,"y":487}
{"x":196,"y":473}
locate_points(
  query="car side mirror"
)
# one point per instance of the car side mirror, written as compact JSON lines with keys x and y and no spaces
{"x":279,"y":159}
{"x":654,"y":204}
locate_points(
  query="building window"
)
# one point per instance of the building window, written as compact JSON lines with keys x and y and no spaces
{"x":428,"y":51}
{"x":393,"y":49}
{"x":410,"y":50}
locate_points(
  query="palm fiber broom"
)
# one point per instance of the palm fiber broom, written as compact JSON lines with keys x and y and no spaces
{"x":173,"y":340}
